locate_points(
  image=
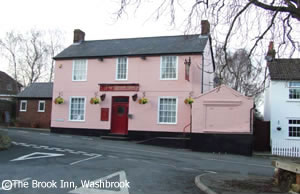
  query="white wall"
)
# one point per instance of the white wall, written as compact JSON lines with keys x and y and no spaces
{"x":208,"y":74}
{"x":282,"y":109}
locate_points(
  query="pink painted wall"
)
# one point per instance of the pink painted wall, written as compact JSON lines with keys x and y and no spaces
{"x":145,"y":72}
{"x":222,"y":110}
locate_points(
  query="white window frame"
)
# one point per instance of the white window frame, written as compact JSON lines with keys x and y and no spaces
{"x":86,"y":70}
{"x":117,"y":69}
{"x":70,"y":104}
{"x":293,"y":87}
{"x":176,"y":65}
{"x":44,"y":102}
{"x":21,"y":102}
{"x":158,"y":110}
{"x":292,"y":125}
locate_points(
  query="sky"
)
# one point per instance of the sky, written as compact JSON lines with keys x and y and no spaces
{"x":96,"y":18}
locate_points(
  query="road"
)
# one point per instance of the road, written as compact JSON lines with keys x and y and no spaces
{"x":59,"y":164}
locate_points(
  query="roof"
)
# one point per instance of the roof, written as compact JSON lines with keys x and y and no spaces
{"x":234,"y":92}
{"x":37,"y":90}
{"x":3,"y":74}
{"x":136,"y":46}
{"x":284,"y":69}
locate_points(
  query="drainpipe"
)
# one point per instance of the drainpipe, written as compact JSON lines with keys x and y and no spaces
{"x":251,"y":119}
{"x":202,"y":73}
{"x":191,"y":117}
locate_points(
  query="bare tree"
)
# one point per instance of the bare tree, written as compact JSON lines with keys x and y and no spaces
{"x":240,"y":73}
{"x":35,"y":51}
{"x":31,"y":54}
{"x":11,"y":46}
{"x":55,"y":45}
{"x":239,"y":23}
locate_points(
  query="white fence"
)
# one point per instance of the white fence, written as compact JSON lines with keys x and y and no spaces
{"x":288,"y":148}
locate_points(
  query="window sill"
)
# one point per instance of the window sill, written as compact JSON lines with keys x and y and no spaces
{"x":121,"y":79}
{"x":41,"y":111}
{"x":293,"y":138}
{"x":290,"y":100}
{"x":79,"y":80}
{"x":167,"y":123}
{"x":77,"y":121}
{"x":23,"y":110}
{"x":168,"y":79}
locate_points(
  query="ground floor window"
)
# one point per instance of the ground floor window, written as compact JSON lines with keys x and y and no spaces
{"x":294,"y":128}
{"x":167,"y":110}
{"x":41,"y":107}
{"x":77,"y":108}
{"x":23,"y":105}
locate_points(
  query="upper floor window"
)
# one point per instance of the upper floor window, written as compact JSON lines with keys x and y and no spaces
{"x":77,"y":109}
{"x":79,"y":72}
{"x":122,"y":68}
{"x":294,"y":128}
{"x":167,"y":110}
{"x":168,"y":68}
{"x":41,"y":107}
{"x":23,"y":106}
{"x":294,"y":90}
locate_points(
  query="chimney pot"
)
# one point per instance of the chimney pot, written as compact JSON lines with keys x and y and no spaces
{"x":205,"y":27}
{"x":78,"y":36}
{"x":271,"y":52}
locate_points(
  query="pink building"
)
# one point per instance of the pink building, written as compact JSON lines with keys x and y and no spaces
{"x":141,"y":83}
{"x":164,"y":70}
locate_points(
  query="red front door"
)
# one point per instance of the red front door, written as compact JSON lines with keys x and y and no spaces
{"x":119,"y":115}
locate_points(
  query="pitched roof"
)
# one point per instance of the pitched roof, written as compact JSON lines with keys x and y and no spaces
{"x":37,"y":90}
{"x":284,"y":69}
{"x":135,"y":46}
{"x":6,"y":76}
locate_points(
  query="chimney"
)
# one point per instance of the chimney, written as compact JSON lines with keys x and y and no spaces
{"x":78,"y":36}
{"x":205,"y":27}
{"x":271,"y":52}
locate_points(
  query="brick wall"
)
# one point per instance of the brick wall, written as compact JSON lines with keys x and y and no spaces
{"x":33,"y":118}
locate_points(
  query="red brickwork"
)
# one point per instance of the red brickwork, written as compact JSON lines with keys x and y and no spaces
{"x":33,"y":118}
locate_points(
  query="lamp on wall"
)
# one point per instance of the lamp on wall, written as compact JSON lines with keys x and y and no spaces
{"x":278,"y":127}
{"x":103,"y":97}
{"x":134,"y":97}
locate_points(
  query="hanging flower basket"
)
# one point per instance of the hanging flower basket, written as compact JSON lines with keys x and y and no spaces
{"x":95,"y":100}
{"x":143,"y":100}
{"x":59,"y":100}
{"x":189,"y":100}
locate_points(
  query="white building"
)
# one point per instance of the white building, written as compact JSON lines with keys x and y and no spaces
{"x":282,"y":106}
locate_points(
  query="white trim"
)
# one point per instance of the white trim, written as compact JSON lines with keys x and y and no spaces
{"x":117,"y":69}
{"x":7,"y":95}
{"x":84,"y":114}
{"x":158,"y":108}
{"x":289,"y":83}
{"x":292,"y":125}
{"x":23,"y":101}
{"x":160,"y":76}
{"x":86,"y":70}
{"x":42,"y":101}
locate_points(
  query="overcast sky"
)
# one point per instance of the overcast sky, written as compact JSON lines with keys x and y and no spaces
{"x":95,"y":17}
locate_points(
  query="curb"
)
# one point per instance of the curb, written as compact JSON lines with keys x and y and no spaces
{"x":201,"y":186}
{"x":29,"y":129}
